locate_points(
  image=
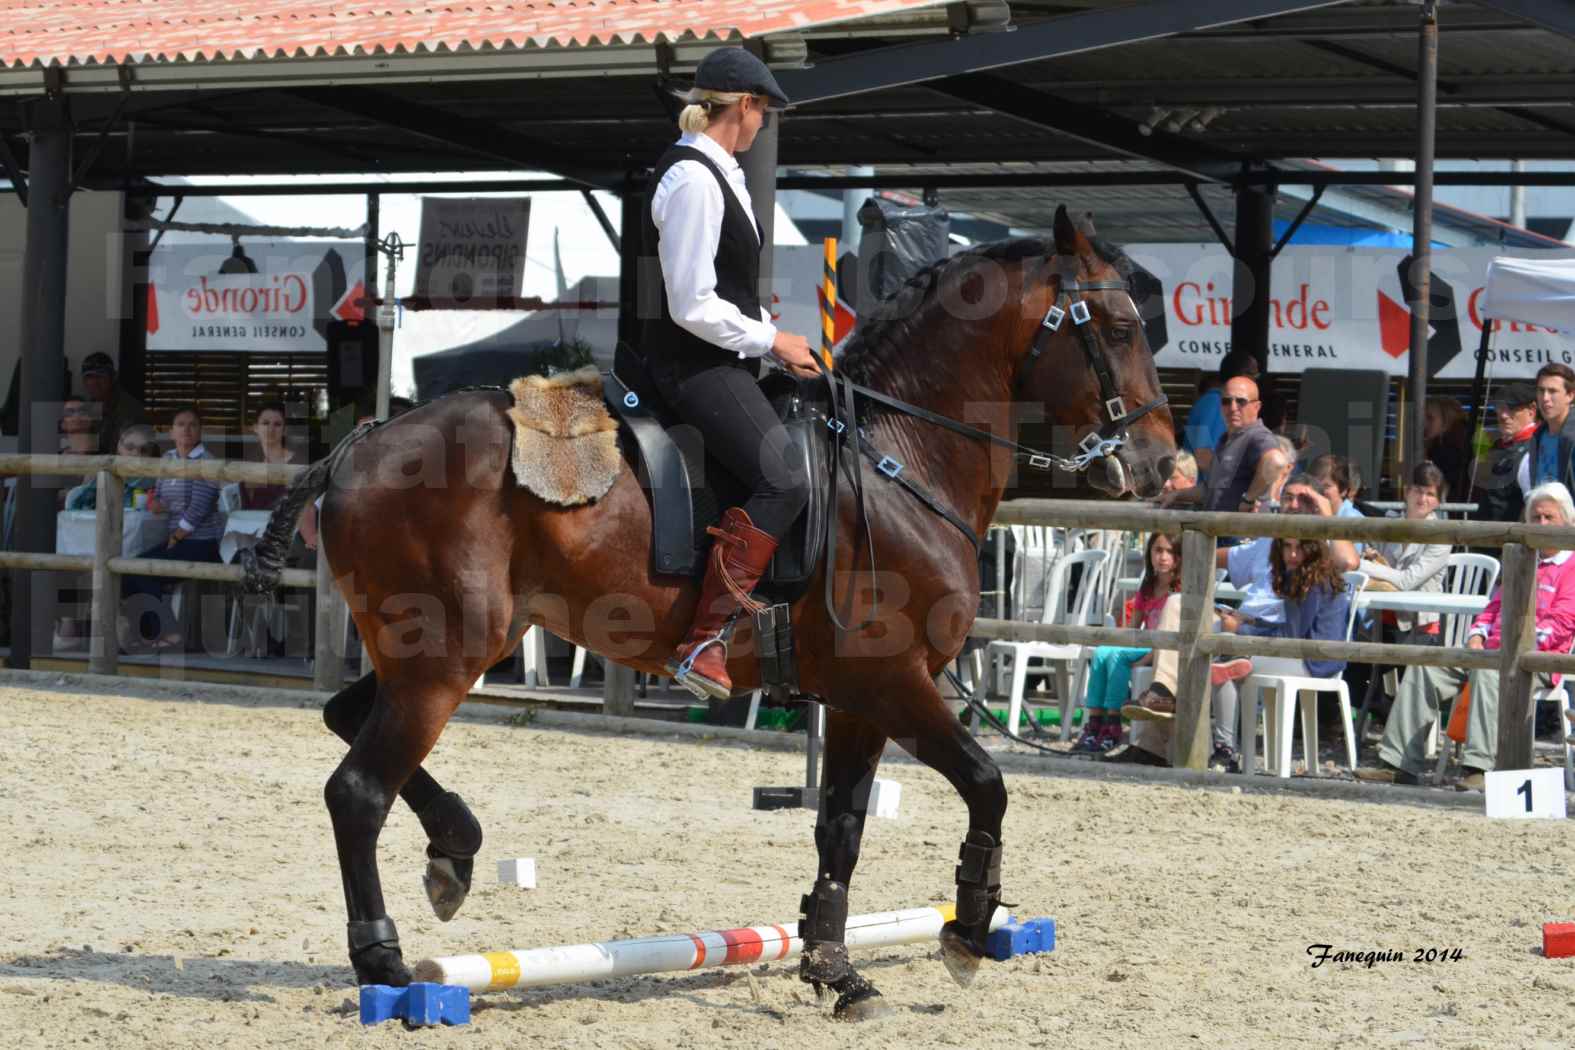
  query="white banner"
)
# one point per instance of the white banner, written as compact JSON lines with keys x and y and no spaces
{"x":284,"y":307}
{"x":1333,"y":307}
{"x":472,"y":248}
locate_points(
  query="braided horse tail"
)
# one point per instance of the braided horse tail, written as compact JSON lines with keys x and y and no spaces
{"x":265,"y":561}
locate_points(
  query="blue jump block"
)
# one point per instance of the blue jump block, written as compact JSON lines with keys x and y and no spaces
{"x":420,"y":1005}
{"x":1021,"y":937}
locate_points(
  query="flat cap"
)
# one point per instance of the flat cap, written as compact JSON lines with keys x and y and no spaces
{"x":734,"y":69}
{"x":1515,"y":395}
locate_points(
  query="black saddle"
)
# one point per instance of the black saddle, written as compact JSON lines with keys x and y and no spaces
{"x":689,"y":490}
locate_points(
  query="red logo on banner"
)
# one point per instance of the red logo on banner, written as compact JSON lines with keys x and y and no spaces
{"x":348,"y":308}
{"x":1394,"y":326}
{"x":153,"y":308}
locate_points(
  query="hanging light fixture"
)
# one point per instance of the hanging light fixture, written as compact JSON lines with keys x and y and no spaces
{"x":239,"y":261}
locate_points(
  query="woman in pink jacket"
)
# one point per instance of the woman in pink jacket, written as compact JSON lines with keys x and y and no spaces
{"x":1424,"y":689}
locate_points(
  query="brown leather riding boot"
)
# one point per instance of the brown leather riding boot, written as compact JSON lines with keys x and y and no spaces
{"x":739,"y":557}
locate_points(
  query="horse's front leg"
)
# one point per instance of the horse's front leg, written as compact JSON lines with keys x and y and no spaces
{"x":852,"y":754}
{"x":926,"y":729}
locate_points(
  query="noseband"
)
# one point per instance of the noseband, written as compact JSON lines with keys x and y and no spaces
{"x":1108,"y":438}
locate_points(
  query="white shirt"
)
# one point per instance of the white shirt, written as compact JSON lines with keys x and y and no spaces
{"x":687,"y":209}
{"x":1248,"y":565}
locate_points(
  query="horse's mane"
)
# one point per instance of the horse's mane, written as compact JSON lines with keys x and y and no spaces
{"x":885,"y":336}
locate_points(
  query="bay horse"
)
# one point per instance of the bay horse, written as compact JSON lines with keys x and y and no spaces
{"x":445,"y":561}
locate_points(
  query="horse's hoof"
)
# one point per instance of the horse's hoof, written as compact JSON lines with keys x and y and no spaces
{"x":861,"y":1003}
{"x":447,"y":885}
{"x":380,"y":965}
{"x":960,"y":957}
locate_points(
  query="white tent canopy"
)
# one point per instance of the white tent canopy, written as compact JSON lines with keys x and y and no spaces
{"x":1533,"y":291}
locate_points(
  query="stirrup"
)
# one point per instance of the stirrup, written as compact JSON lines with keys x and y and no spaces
{"x":686,"y":665}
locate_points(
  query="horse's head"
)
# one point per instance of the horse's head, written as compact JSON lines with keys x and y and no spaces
{"x":1094,"y":371}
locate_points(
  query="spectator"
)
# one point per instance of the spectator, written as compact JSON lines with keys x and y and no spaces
{"x":1247,"y":460}
{"x":1446,"y":439}
{"x":1403,"y":567}
{"x":1423,"y":690}
{"x":1334,"y":477}
{"x":195,"y":526}
{"x":114,"y":409}
{"x":1498,"y":494}
{"x":1251,"y":567}
{"x":1110,"y":667}
{"x":1553,"y":442}
{"x":136,"y":440}
{"x":1184,"y":475}
{"x":269,"y":428}
{"x":1316,"y":607}
{"x":1206,"y":421}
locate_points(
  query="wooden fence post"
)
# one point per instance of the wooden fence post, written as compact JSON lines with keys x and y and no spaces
{"x":104,"y":632}
{"x":1189,"y":744}
{"x":328,"y":664}
{"x":1517,"y":635}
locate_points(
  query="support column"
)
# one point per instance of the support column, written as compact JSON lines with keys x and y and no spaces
{"x":760,"y":171}
{"x":43,"y":359}
{"x":1254,"y":248}
{"x":632,"y":222}
{"x":1422,"y":224}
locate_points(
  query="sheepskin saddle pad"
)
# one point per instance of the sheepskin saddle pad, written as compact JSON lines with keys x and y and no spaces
{"x":565,"y":442}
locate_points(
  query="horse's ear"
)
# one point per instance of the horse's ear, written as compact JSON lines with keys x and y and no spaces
{"x":1065,"y":232}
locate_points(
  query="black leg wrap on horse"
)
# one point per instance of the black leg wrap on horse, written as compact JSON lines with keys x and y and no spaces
{"x":823,"y":925}
{"x":823,"y":912}
{"x":452,"y":829}
{"x":978,"y":879}
{"x":372,"y":933}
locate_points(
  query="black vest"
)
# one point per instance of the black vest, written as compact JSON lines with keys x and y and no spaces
{"x":670,"y":352}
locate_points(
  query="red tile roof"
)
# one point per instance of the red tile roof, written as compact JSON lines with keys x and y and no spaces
{"x":74,"y":32}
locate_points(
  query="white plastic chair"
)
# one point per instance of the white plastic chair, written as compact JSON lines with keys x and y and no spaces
{"x":1063,"y":605}
{"x":1277,"y":714}
{"x":1463,"y":574}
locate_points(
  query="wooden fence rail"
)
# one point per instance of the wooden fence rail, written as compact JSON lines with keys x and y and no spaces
{"x":1516,"y":661}
{"x":106,"y":564}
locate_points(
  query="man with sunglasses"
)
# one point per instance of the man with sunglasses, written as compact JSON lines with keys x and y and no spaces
{"x":1247,"y":459}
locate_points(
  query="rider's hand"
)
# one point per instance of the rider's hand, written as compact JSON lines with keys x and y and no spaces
{"x":793,"y":350}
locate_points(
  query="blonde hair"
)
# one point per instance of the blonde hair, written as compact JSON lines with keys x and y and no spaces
{"x":1187,"y":464}
{"x":696,"y":116}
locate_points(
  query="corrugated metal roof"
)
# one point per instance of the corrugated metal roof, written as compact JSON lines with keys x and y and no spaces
{"x":139,"y":31}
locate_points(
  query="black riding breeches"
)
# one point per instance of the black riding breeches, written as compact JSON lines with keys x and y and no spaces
{"x":742,"y":431}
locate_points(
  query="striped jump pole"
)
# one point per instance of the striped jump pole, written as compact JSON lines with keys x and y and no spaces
{"x":569,"y":963}
{"x":828,"y":303}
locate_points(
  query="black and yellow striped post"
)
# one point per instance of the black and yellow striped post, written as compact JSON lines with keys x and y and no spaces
{"x":828,"y":303}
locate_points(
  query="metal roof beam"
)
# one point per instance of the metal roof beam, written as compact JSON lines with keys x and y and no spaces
{"x":1091,"y":126}
{"x":1556,"y":15}
{"x":890,"y":67}
{"x":1389,"y":216}
{"x":451,"y":129}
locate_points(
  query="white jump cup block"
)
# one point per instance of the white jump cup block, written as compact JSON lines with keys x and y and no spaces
{"x":518,"y":871}
{"x":1525,"y":794}
{"x":885,"y":797}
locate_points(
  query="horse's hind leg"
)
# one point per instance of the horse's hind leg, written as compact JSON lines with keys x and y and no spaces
{"x":853,"y":749}
{"x":398,"y":732}
{"x":916,"y":716}
{"x":453,"y":833}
